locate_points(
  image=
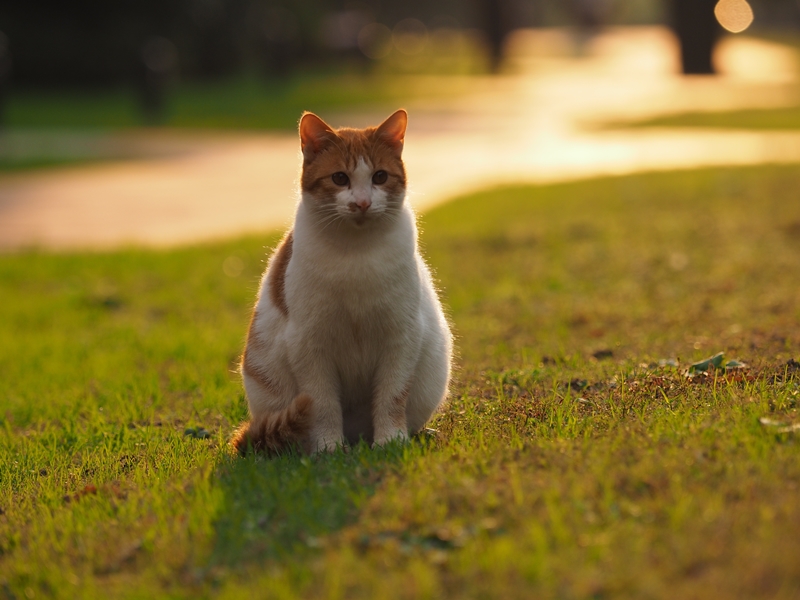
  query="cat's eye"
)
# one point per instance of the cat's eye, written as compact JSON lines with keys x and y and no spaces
{"x":340,"y":179}
{"x":379,"y":177}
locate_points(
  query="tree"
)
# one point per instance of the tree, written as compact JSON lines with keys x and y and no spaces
{"x":697,"y":29}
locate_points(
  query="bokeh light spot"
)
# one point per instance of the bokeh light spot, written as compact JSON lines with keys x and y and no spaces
{"x":410,"y":36}
{"x":233,"y":266}
{"x":375,"y":40}
{"x":734,"y":15}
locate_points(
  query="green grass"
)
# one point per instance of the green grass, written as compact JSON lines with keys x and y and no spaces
{"x":250,"y":102}
{"x":758,"y":119}
{"x":244,"y":103}
{"x":440,"y":69}
{"x":30,"y":164}
{"x":568,"y":464}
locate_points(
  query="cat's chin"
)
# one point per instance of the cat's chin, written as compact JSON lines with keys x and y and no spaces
{"x":363,"y":221}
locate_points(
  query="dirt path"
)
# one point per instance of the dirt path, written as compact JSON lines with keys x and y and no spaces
{"x":532,"y":126}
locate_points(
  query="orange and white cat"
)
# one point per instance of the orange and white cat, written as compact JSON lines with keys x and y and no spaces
{"x":348,"y":340}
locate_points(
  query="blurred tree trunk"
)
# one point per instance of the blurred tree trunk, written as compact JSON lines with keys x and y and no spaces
{"x":5,"y":75}
{"x":697,"y":29}
{"x":492,"y":22}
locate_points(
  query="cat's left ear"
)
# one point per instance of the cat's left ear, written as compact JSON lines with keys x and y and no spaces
{"x":314,"y":134}
{"x":393,"y":130}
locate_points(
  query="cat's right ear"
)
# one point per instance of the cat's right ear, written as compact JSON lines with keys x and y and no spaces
{"x":314,"y":133}
{"x":393,"y":130}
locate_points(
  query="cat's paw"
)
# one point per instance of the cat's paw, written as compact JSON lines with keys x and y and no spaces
{"x":329,"y":446}
{"x":398,"y":435}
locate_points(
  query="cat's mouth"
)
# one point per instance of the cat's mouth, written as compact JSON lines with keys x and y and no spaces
{"x":362,"y":219}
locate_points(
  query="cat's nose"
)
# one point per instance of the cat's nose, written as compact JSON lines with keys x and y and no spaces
{"x":361,"y":205}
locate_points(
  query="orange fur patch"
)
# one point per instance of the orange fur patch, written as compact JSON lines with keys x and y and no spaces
{"x":278,"y":431}
{"x":253,"y":341}
{"x":255,"y":372}
{"x":277,"y":274}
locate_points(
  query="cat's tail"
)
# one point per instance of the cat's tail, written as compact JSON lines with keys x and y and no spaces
{"x":277,"y":431}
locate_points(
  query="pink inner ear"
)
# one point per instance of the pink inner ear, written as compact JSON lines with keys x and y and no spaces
{"x":393,"y":129}
{"x":313,"y":132}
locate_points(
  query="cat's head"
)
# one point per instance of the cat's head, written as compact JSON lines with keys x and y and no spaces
{"x":353,"y":175}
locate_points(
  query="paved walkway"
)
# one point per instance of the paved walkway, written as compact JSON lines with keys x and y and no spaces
{"x":535,"y":125}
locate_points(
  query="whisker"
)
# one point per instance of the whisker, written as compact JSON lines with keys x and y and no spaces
{"x":326,"y":219}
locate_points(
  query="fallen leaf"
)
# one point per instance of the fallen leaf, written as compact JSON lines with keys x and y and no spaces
{"x":779,"y":426}
{"x":86,"y":491}
{"x":198,"y":433}
{"x":733,"y":365}
{"x":713,"y":362}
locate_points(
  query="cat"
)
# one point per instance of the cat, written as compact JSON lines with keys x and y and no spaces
{"x":348,"y":339}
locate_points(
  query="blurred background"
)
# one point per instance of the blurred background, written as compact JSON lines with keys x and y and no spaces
{"x":89,"y":81}
{"x":196,"y":62}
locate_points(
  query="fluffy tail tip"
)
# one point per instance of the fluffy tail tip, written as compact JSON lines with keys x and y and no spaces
{"x":276,"y":432}
{"x":241,"y":439}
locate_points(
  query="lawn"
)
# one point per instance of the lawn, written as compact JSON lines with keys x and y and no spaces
{"x":241,"y":103}
{"x":63,"y":127}
{"x":53,"y":128}
{"x":758,"y":119}
{"x":577,"y":457}
{"x":440,"y":67}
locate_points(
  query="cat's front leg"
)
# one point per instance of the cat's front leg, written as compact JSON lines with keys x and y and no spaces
{"x":389,"y":402}
{"x":316,"y":378}
{"x":389,"y":417}
{"x":327,"y":431}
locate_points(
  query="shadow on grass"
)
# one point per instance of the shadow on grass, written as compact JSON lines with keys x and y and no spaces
{"x":276,"y":508}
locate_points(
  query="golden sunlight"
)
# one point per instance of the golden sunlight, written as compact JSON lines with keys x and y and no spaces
{"x":734,"y":15}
